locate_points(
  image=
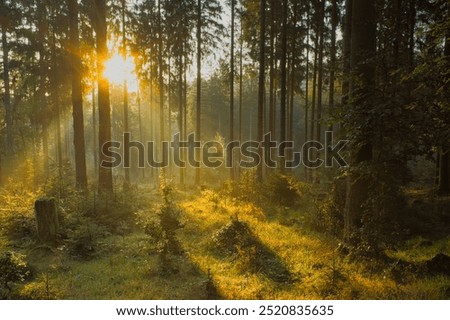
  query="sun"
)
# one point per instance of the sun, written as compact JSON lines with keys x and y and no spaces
{"x":118,"y":70}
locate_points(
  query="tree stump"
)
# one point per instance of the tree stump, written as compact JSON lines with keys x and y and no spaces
{"x":46,"y":220}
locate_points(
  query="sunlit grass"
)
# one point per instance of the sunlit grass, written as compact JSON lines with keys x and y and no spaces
{"x":419,"y":249}
{"x":311,"y":258}
{"x":126,"y":267}
{"x":127,"y":270}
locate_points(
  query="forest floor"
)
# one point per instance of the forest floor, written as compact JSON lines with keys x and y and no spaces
{"x":283,"y":257}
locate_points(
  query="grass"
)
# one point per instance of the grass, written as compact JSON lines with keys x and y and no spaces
{"x":127,"y":266}
{"x":419,"y":249}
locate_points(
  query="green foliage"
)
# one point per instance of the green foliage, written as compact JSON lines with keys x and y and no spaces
{"x":236,"y":239}
{"x":17,"y":202}
{"x":162,"y":228}
{"x":383,"y":209}
{"x":40,"y":289}
{"x":285,"y":190}
{"x":87,"y":217}
{"x":333,"y":279}
{"x":382,"y":212}
{"x":328,"y":215}
{"x":232,"y":237}
{"x":82,"y":237}
{"x":248,"y":186}
{"x":116,"y":212}
{"x":59,"y":183}
{"x":13,"y":269}
{"x":18,"y":225}
{"x":166,"y":188}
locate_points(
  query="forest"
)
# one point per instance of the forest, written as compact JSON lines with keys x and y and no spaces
{"x":225,"y":149}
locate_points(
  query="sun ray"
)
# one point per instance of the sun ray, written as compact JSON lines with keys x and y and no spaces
{"x":118,"y":70}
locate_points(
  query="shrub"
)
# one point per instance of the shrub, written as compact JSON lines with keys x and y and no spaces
{"x":82,"y":236}
{"x":246,"y":188}
{"x":13,"y":269}
{"x":163,"y":232}
{"x":117,"y":212}
{"x":233,"y":237}
{"x":329,"y":214}
{"x":60,"y":182}
{"x":381,"y":227}
{"x":284,"y":190}
{"x":38,"y":290}
{"x":17,"y":216}
{"x":238,"y":241}
{"x":162,"y":228}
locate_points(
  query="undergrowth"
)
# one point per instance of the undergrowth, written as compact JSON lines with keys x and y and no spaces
{"x":230,"y":243}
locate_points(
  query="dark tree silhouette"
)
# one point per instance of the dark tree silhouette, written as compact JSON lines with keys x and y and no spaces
{"x":77,"y":97}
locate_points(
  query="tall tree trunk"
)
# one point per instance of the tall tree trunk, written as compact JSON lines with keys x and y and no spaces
{"x":363,"y":67}
{"x":398,"y":31}
{"x":272,"y":70}
{"x":169,"y":110}
{"x":261,"y":82}
{"x":41,"y":31}
{"x":271,"y":63}
{"x":283,"y":82}
{"x":126,"y":151}
{"x":160,"y":77}
{"x":437,"y":168}
{"x":94,"y":132}
{"x":241,"y":42}
{"x":347,"y":49}
{"x":232,"y":84}
{"x":292,"y":82}
{"x":444,"y":163}
{"x":411,"y":31}
{"x":444,"y":174}
{"x":307,"y":87}
{"x":151,"y":114}
{"x":180,"y":106}
{"x":199,"y":85}
{"x":54,"y":85}
{"x":334,"y":23}
{"x":312,"y":129}
{"x":68,"y":136}
{"x":77,"y":98}
{"x":290,"y":124}
{"x":141,"y":129}
{"x":185,"y":86}
{"x":105,"y":181}
{"x":320,"y":70}
{"x":313,"y":120}
{"x":7,"y":93}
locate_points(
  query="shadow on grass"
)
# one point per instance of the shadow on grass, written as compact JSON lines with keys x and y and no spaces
{"x":237,"y":240}
{"x":174,"y":265}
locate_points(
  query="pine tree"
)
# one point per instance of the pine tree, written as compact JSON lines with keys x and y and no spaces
{"x":363,"y":48}
{"x":105,"y":181}
{"x":261,"y":81}
{"x":77,"y":97}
